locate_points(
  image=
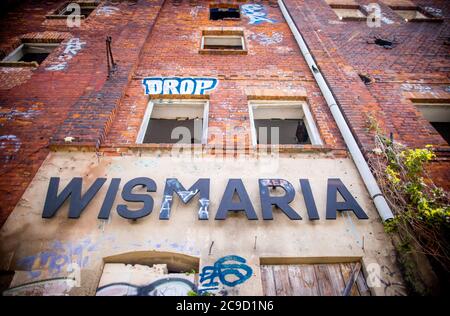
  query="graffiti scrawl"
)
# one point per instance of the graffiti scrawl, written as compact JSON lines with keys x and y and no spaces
{"x":168,"y":286}
{"x":107,"y":10}
{"x":256,"y":13}
{"x":176,"y":85}
{"x":264,"y":39}
{"x":224,"y":272}
{"x":73,"y":46}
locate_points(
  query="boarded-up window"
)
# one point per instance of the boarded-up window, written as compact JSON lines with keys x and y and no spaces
{"x":313,"y":280}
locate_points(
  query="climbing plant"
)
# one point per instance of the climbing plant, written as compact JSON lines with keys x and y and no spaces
{"x":421,"y":209}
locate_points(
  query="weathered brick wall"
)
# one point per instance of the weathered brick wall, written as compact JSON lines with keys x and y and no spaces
{"x":416,"y":68}
{"x":33,"y":107}
{"x":273,"y":63}
{"x":39,"y":107}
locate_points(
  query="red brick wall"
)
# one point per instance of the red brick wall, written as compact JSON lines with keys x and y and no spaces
{"x":40,"y":107}
{"x":33,"y":108}
{"x":416,"y":68}
{"x":174,"y":51}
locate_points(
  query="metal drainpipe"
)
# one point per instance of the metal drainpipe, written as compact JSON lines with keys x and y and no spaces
{"x":361,"y":164}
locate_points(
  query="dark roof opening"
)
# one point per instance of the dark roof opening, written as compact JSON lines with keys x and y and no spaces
{"x":366,"y":79}
{"x":224,"y":13}
{"x":384,"y":43}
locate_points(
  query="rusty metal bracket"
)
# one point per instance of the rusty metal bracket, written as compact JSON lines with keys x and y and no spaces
{"x":112,"y":66}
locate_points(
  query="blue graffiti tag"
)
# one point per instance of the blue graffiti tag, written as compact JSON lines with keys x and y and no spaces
{"x":221,"y":270}
{"x":256,"y":13}
{"x":177,"y":85}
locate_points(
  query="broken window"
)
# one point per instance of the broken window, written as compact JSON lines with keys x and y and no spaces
{"x":69,"y":8}
{"x":30,"y":54}
{"x":175,"y":121}
{"x":223,"y":42}
{"x":282,"y":122}
{"x":438,"y":114}
{"x":224,"y":13}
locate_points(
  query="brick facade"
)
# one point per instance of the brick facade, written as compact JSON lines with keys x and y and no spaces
{"x":40,"y":107}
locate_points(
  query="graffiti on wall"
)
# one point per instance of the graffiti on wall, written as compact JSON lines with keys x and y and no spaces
{"x":73,"y":46}
{"x":107,"y":10}
{"x":264,"y":39}
{"x":177,"y":85}
{"x":9,"y":146}
{"x":256,"y":13}
{"x":434,"y":11}
{"x":47,"y":287}
{"x":59,"y":258}
{"x":167,"y":286}
{"x":228,"y":271}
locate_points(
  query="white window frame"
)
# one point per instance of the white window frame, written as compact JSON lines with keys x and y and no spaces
{"x":311,"y":126}
{"x":225,"y":36}
{"x":13,"y":56}
{"x":148,"y":114}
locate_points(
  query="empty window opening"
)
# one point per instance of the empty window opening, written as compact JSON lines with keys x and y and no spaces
{"x":223,"y":42}
{"x":438,"y":114}
{"x":224,"y":13}
{"x":275,"y":122}
{"x":86,"y":8}
{"x":174,"y":121}
{"x":34,"y":53}
{"x":348,"y":12}
{"x":411,"y":13}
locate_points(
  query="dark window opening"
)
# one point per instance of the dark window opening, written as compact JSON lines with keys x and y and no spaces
{"x":160,"y":131}
{"x":442,"y":128}
{"x":37,"y":57}
{"x":224,"y":13}
{"x":291,"y":131}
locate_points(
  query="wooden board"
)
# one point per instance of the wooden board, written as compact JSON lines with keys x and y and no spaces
{"x":311,"y":280}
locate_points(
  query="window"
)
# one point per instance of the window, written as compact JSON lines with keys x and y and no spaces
{"x":438,"y":114}
{"x":175,"y":121}
{"x":217,"y":12}
{"x":231,"y":42}
{"x":412,"y":14}
{"x":282,"y":122}
{"x":30,"y":54}
{"x":86,"y":8}
{"x":348,"y":12}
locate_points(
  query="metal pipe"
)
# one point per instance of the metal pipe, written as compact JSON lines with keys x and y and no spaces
{"x":361,"y":164}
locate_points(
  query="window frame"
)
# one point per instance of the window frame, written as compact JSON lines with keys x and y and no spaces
{"x":58,"y":13}
{"x":149,"y":110}
{"x":11,"y":58}
{"x":311,"y":126}
{"x":224,"y":33}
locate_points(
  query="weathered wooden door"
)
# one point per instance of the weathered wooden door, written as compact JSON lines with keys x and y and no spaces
{"x":312,"y":279}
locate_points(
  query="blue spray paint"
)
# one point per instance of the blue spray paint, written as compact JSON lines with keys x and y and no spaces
{"x":220,"y":270}
{"x":257,"y":13}
{"x":177,"y":85}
